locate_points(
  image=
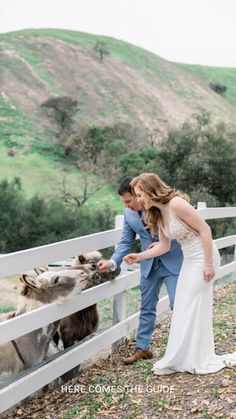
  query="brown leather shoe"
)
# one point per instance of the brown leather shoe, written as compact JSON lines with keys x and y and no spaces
{"x":138,"y":354}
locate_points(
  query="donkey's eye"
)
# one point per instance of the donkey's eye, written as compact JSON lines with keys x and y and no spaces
{"x":55,"y":280}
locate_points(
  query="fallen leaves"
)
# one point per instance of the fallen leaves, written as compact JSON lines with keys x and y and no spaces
{"x":229,"y":373}
{"x":196,"y":396}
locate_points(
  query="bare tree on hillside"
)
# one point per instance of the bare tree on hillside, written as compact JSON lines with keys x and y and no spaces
{"x":155,"y":137}
{"x":101,"y":48}
{"x":97,"y":149}
{"x":87,"y":189}
{"x":62,"y":109}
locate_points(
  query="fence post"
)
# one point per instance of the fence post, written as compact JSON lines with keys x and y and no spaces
{"x":201,"y":205}
{"x":234,"y":259}
{"x":119,"y":300}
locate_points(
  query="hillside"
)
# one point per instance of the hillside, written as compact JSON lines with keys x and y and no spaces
{"x":130,"y":85}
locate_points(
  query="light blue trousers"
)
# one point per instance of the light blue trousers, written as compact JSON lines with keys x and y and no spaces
{"x":150,"y":289}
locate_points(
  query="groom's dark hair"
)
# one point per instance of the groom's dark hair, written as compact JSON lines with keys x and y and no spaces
{"x":125,"y":186}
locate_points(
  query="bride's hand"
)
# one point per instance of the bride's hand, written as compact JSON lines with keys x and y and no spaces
{"x":209,"y":272}
{"x":131,"y":258}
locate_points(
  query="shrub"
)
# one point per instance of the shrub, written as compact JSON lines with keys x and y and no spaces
{"x":218,"y":88}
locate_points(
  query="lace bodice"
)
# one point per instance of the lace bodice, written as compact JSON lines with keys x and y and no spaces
{"x":178,"y":230}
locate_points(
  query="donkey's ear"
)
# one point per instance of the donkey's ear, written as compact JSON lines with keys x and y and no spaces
{"x":26,"y":279}
{"x":41,"y":270}
{"x":22,"y":278}
{"x":82,"y":259}
{"x":37,"y":271}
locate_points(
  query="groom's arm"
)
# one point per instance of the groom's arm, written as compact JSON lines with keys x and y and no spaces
{"x":124,"y":245}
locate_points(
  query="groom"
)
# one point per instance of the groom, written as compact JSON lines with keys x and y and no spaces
{"x":154,"y":272}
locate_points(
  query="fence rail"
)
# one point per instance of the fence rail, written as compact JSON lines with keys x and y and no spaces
{"x":17,"y":262}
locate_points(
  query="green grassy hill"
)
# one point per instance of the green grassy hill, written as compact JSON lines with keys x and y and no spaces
{"x":131,"y":85}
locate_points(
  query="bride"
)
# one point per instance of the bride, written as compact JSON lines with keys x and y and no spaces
{"x":191,"y":343}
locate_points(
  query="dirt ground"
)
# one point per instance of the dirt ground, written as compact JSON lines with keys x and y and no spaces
{"x":107,"y":388}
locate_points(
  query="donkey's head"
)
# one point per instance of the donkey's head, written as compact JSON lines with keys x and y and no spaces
{"x":56,"y":286}
{"x":89,"y":261}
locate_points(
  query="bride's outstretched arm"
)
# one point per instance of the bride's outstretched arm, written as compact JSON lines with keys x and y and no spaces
{"x":190,"y":216}
{"x":158,"y":249}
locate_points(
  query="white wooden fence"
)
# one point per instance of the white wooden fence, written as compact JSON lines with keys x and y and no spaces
{"x":18,"y":262}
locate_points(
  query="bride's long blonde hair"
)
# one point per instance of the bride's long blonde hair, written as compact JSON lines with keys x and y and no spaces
{"x":158,"y":191}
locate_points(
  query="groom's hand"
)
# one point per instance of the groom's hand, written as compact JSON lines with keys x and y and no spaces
{"x":104,"y":265}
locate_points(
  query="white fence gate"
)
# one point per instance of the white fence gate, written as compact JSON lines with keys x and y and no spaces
{"x":18,"y":262}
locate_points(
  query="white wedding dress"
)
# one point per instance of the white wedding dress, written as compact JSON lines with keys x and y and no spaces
{"x":190,"y":345}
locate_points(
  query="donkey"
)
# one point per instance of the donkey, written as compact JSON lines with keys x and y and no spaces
{"x":77,"y":326}
{"x":28,"y":350}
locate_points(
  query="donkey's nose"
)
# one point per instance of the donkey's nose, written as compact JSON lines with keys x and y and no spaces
{"x":93,"y":266}
{"x":55,"y":280}
{"x":41,"y":282}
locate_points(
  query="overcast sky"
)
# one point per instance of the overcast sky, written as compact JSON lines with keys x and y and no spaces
{"x":190,"y":31}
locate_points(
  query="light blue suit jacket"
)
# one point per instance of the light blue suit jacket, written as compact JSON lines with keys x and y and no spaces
{"x":133,"y":225}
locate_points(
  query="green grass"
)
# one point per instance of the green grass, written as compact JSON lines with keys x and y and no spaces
{"x":7,"y":309}
{"x":135,"y":56}
{"x":73,"y":412}
{"x":34,"y":59}
{"x":224,"y":76}
{"x":12,"y":63}
{"x":28,"y":53}
{"x":7,"y":108}
{"x":42,"y":175}
{"x":105,"y":307}
{"x":139,"y":58}
{"x":17,"y":130}
{"x":39,"y":162}
{"x":149,"y":63}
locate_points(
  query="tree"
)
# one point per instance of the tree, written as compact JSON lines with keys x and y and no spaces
{"x":88,"y":188}
{"x":200,"y":158}
{"x":98,"y":149}
{"x":26,"y":223}
{"x":137,"y":162}
{"x":101,"y":48}
{"x":218,"y":88}
{"x":93,"y":150}
{"x":92,"y":143}
{"x":62,"y":109}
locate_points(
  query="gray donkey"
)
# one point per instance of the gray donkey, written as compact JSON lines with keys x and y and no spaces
{"x":82,"y":323}
{"x":28,"y":350}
